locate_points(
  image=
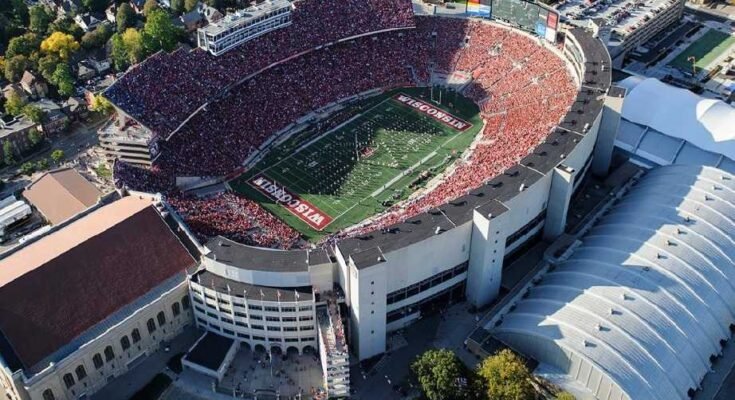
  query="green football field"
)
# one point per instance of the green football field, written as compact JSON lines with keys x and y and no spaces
{"x":706,"y":49}
{"x":379,"y":156}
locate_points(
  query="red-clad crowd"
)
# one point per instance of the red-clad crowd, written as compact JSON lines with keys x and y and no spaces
{"x":236,"y":218}
{"x":163,"y":91}
{"x":523,"y":90}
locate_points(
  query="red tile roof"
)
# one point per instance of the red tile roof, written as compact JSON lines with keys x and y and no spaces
{"x":48,"y":301}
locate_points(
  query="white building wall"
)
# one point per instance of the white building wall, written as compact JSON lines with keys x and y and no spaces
{"x":367,"y":313}
{"x":257,"y":277}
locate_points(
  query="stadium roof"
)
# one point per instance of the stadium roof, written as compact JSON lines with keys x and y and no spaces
{"x":647,"y":297}
{"x":61,"y":194}
{"x":679,"y":113}
{"x":56,"y":288}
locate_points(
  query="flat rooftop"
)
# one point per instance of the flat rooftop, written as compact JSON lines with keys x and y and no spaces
{"x":624,"y":16}
{"x":243,"y":16}
{"x":210,"y":351}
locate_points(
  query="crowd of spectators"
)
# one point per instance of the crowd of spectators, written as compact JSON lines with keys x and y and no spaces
{"x":522,"y":88}
{"x":167,"y":88}
{"x":235,"y":218}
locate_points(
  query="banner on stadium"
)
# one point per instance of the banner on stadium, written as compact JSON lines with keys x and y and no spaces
{"x":476,"y":8}
{"x":304,"y":210}
{"x":434,"y":112}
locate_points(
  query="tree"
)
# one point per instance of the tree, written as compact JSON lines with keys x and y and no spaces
{"x":97,"y":38}
{"x":34,"y":113}
{"x":40,"y":18}
{"x":61,"y":44}
{"x":119,"y":53}
{"x":565,"y":396}
{"x":190,"y":5}
{"x":133,"y":41}
{"x":160,"y":32}
{"x":22,"y":45}
{"x":439,"y":373}
{"x":27,"y":168}
{"x":125,"y":17}
{"x":57,"y":155}
{"x":8,"y":153}
{"x":63,"y":80}
{"x":47,"y":66}
{"x":177,"y":6}
{"x":35,"y":137}
{"x":14,"y":104}
{"x":20,"y":12}
{"x":95,"y":5}
{"x":15,"y":66}
{"x":101,"y":105}
{"x":504,"y":376}
{"x":42,"y":164}
{"x":149,"y":6}
{"x":66,"y":25}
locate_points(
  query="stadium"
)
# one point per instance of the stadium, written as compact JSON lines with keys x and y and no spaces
{"x":351,"y":167}
{"x":391,"y":135}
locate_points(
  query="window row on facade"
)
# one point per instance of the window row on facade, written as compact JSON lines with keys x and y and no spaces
{"x":426,"y":284}
{"x":71,"y":380}
{"x":241,"y":335}
{"x":438,"y":300}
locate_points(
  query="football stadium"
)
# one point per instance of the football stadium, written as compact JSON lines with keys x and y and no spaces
{"x":330,"y":176}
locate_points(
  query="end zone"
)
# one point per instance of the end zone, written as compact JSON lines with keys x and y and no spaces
{"x":302,"y":209}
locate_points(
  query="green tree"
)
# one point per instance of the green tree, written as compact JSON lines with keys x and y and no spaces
{"x":27,"y":168}
{"x":97,"y":38}
{"x":149,"y":6}
{"x":66,"y":25}
{"x":160,"y":32}
{"x":47,"y":66}
{"x":101,"y":105}
{"x":8,"y":153}
{"x":61,"y":44}
{"x":40,"y":18}
{"x":15,"y":66}
{"x":119,"y":53}
{"x":57,"y":155}
{"x":177,"y":6}
{"x":504,"y":376}
{"x":34,"y":113}
{"x":440,"y":374}
{"x":35,"y":137}
{"x":42,"y":164}
{"x":189,"y":5}
{"x":133,"y":41}
{"x":14,"y":104}
{"x":125,"y":17}
{"x":95,"y":5}
{"x":23,"y":45}
{"x":565,"y":396}
{"x":20,"y":12}
{"x":63,"y":80}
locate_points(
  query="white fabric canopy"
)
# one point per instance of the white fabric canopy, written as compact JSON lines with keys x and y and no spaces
{"x":706,"y":123}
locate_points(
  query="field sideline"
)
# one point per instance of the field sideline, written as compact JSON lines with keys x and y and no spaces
{"x":390,"y":146}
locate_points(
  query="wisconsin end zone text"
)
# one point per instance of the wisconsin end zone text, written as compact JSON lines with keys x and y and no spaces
{"x":436,"y":113}
{"x":304,"y":210}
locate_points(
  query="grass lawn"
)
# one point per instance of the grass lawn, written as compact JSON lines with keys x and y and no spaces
{"x":706,"y":49}
{"x":382,"y":154}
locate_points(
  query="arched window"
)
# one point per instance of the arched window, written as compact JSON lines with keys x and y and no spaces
{"x":109,"y":353}
{"x":68,"y":381}
{"x":97,"y":360}
{"x":125,"y":343}
{"x":175,"y":309}
{"x":185,"y":302}
{"x":151,"y":326}
{"x":48,"y":395}
{"x":161,"y":318}
{"x":136,"y":335}
{"x":81,"y":372}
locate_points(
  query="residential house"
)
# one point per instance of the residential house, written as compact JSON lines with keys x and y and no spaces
{"x":54,"y":120}
{"x":137,"y":5}
{"x":192,"y":21}
{"x":74,"y":108}
{"x":16,"y":130}
{"x":111,"y":13}
{"x":33,"y":85}
{"x":89,"y":21}
{"x":210,"y":13}
{"x":17,"y":89}
{"x":69,"y":7}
